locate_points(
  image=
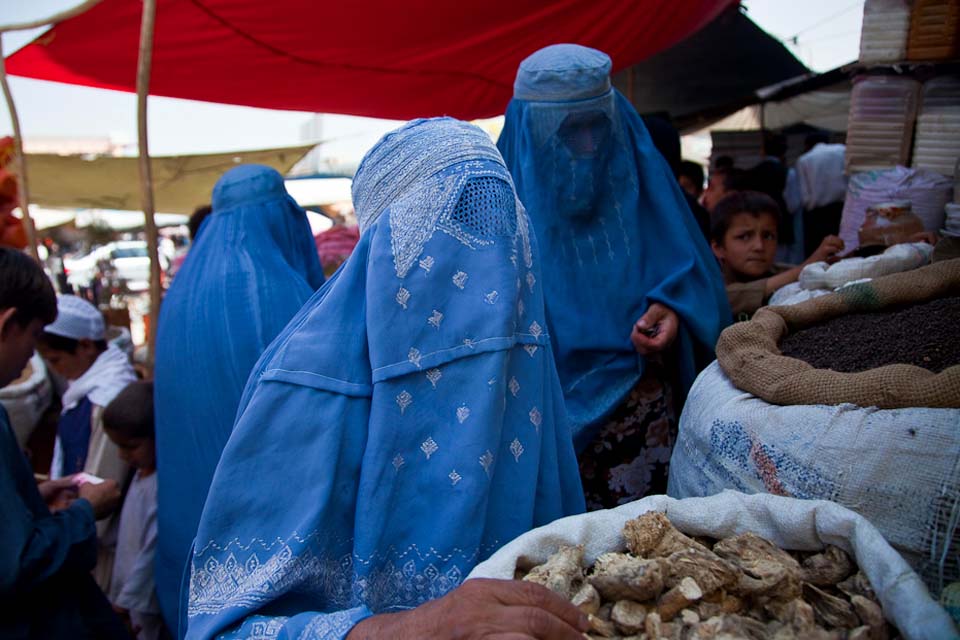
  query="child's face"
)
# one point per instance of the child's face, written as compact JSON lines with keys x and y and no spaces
{"x":70,"y":365}
{"x":139,"y":453}
{"x":749,"y":246}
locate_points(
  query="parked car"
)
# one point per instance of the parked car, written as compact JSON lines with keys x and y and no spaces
{"x":128,"y":260}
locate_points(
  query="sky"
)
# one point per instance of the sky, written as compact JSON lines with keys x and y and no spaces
{"x":823,"y":34}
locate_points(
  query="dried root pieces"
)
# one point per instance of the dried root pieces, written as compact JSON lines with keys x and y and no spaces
{"x":670,"y":586}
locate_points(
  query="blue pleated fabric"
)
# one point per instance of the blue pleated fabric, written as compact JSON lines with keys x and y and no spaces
{"x":615,"y":231}
{"x":409,"y":420}
{"x":248,"y":273}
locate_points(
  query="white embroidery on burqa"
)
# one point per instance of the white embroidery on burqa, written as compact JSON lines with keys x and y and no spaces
{"x":435,"y":206}
{"x":265,"y":629}
{"x":403,"y":400}
{"x":454,"y":477}
{"x":491,"y":298}
{"x":434,"y":375}
{"x":328,"y":626}
{"x":435,"y":319}
{"x":606,"y":238}
{"x":593,"y":247}
{"x":463,"y":412}
{"x":530,"y":349}
{"x":516,"y":449}
{"x":486,"y":461}
{"x":429,"y":447}
{"x":535,"y":329}
{"x":514,"y":387}
{"x":536,"y":419}
{"x":401,"y":159}
{"x":531,"y":280}
{"x":413,"y":219}
{"x":460,"y":279}
{"x":491,"y":382}
{"x":467,"y":342}
{"x":414,"y":356}
{"x":520,"y":307}
{"x":403,"y":296}
{"x":524,"y":232}
{"x":401,"y":579}
{"x":398,"y":462}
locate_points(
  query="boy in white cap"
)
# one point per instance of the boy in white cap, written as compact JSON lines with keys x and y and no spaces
{"x":75,"y":346}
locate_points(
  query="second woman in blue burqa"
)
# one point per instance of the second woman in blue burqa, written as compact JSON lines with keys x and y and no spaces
{"x":625,"y":267}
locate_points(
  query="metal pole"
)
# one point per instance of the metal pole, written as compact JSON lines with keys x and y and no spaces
{"x":20,"y":161}
{"x":146,"y":178}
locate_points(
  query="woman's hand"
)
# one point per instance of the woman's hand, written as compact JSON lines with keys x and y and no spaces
{"x":656,"y":330}
{"x":502,"y":609}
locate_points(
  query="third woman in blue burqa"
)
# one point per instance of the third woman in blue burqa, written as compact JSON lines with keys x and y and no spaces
{"x":635,"y":300}
{"x":252,"y":266}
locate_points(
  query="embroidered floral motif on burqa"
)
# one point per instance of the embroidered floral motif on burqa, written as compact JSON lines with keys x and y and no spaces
{"x":250,"y":269}
{"x":614,"y":230}
{"x":406,"y":423}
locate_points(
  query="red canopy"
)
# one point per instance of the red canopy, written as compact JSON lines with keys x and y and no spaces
{"x":383,"y":58}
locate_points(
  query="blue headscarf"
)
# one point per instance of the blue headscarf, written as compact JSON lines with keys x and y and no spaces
{"x":614,"y":228}
{"x":248,"y":273}
{"x":407,"y":422}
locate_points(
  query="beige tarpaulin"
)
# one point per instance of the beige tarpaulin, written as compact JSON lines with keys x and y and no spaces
{"x":181,"y":183}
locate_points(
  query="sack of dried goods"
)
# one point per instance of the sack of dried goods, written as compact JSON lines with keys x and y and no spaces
{"x":727,"y":566}
{"x":852,"y":397}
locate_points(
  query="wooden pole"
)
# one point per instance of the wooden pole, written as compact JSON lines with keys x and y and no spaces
{"x":20,"y":160}
{"x":146,"y":177}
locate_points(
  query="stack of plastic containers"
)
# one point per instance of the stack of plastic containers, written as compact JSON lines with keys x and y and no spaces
{"x":886,"y":26}
{"x":934,"y":30}
{"x":937,"y":145}
{"x":882,"y":113}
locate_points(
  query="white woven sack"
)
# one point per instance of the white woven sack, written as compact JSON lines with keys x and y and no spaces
{"x":787,"y":522}
{"x":896,"y":259}
{"x":898,"y":468}
{"x":26,"y":401}
{"x":793,"y":293}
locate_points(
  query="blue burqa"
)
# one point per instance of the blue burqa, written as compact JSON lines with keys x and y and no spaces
{"x":248,"y":273}
{"x":615,"y":231}
{"x":408,"y":421}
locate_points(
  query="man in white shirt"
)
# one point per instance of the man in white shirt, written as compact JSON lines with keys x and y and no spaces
{"x":823,"y":186}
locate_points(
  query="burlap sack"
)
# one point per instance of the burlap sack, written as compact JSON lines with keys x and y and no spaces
{"x":749,"y":354}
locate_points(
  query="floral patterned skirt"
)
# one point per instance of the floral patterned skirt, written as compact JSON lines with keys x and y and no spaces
{"x":630,"y":456}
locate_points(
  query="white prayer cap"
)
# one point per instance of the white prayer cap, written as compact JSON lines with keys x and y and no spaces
{"x":77,"y":319}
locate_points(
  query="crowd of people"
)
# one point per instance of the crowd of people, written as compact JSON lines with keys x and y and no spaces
{"x":510,"y":342}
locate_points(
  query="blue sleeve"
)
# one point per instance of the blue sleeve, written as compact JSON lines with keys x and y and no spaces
{"x":37,"y":544}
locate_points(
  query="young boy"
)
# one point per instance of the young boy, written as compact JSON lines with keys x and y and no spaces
{"x":45,"y":586}
{"x":128,"y":422}
{"x":744,"y":239}
{"x":75,"y":346}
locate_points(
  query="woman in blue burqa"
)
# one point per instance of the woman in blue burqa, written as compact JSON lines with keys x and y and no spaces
{"x":635,"y":300}
{"x":406,"y":423}
{"x":251,"y":268}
